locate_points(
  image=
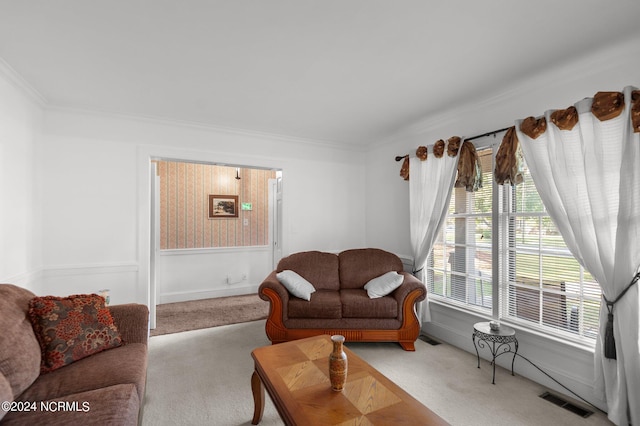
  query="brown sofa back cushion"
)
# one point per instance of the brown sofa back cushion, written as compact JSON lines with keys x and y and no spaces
{"x":359,"y":266}
{"x":319,"y":268}
{"x":19,"y":348}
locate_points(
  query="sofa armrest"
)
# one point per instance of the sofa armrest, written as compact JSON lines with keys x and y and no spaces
{"x":409,"y":284}
{"x":132,"y":320}
{"x":271,"y":282}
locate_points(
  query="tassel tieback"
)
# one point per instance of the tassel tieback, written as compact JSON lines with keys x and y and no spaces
{"x":609,"y":341}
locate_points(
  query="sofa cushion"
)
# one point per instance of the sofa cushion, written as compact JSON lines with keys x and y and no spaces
{"x":323,"y":304}
{"x":359,"y":266}
{"x":357,"y":304}
{"x":5,"y":394}
{"x":112,"y":405}
{"x":384,"y":284}
{"x":123,"y":365}
{"x":319,"y":268}
{"x":19,"y":349}
{"x":295,"y":284}
{"x":71,"y":328}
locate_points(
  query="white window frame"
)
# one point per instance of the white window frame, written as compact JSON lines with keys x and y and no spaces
{"x":499,"y":309}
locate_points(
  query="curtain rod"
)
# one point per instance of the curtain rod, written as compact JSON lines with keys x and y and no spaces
{"x":493,"y":132}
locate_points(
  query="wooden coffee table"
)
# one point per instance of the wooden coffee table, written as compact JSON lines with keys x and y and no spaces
{"x":296,"y":376}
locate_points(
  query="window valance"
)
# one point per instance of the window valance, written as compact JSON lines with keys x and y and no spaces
{"x":508,"y":165}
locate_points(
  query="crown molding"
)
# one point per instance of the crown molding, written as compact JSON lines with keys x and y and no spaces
{"x":600,"y":60}
{"x":16,"y":80}
{"x":197,"y":125}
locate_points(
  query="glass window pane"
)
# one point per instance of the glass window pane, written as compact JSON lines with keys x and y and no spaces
{"x":438,"y":256}
{"x":526,"y":198}
{"x":527,"y":231}
{"x":465,"y":256}
{"x":482,"y":264}
{"x":527,"y":268}
{"x":450,"y":230}
{"x":554,"y":310}
{"x":458,"y":288}
{"x":589,"y":316}
{"x":559,"y":269}
{"x":524,"y":303}
{"x":591,"y":291}
{"x":538,"y":259}
{"x":482,"y":230}
{"x":482,"y":202}
{"x":436,"y":284}
{"x":550,"y":236}
{"x":482,"y":292}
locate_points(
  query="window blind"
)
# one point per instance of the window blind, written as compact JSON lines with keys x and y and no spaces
{"x":460,"y":266}
{"x":544,"y":287}
{"x":539,"y":284}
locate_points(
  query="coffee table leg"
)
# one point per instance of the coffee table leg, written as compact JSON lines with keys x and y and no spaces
{"x":258,"y":398}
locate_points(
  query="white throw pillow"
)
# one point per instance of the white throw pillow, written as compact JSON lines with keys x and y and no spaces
{"x":384,"y":284}
{"x":296,"y":285}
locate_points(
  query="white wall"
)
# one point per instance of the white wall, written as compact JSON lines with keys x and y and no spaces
{"x":202,"y":273}
{"x":96,"y":193}
{"x":605,"y":70}
{"x":20,"y":228}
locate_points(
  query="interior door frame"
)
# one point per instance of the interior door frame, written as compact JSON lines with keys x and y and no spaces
{"x":146,"y":291}
{"x":154,"y":241}
{"x":275,"y":219}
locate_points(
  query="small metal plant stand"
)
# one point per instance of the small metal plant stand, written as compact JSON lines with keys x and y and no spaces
{"x":499,"y":342}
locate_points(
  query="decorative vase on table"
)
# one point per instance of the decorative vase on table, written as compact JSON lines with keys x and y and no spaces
{"x":337,"y":364}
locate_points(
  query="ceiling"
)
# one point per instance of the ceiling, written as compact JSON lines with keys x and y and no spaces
{"x":342,"y":71}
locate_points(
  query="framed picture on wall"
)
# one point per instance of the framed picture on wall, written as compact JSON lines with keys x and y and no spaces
{"x":221,"y":206}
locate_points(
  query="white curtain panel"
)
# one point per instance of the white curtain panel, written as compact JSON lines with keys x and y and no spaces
{"x":589,"y":181}
{"x":430,"y":184}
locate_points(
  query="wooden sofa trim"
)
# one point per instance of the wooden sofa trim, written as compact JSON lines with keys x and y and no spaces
{"x":406,"y":335}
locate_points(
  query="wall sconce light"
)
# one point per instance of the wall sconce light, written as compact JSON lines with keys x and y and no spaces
{"x":238,"y":173}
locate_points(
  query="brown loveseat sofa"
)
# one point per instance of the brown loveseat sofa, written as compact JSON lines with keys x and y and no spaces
{"x":340,"y":304}
{"x":106,"y":388}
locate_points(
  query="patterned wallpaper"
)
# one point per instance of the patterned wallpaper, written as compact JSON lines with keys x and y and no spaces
{"x":184,"y":204}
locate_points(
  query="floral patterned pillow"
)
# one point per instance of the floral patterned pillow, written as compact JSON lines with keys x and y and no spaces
{"x":71,"y":328}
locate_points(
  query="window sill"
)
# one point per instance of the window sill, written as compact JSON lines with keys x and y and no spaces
{"x":478,"y":316}
{"x":585,"y":347}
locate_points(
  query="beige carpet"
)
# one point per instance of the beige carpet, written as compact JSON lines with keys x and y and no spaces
{"x":202,"y":377}
{"x":205,"y":313}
